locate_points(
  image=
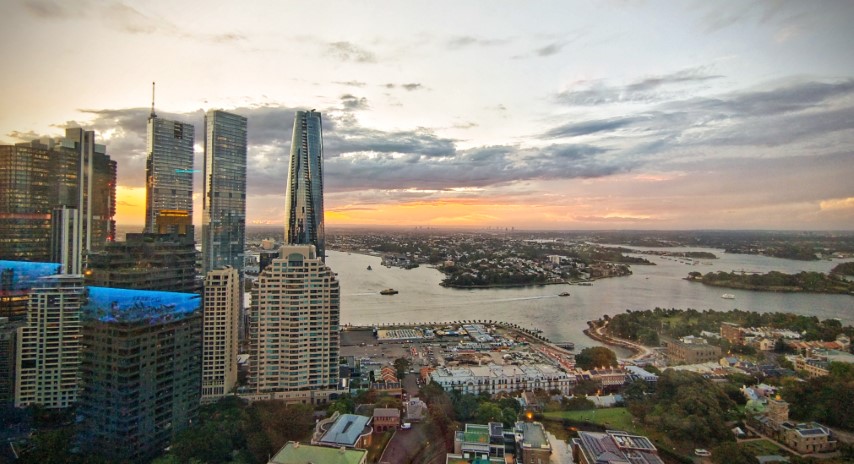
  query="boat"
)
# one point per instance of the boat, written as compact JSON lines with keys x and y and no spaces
{"x":369,"y":267}
{"x":389,"y":291}
{"x":728,"y":296}
{"x":563,"y":294}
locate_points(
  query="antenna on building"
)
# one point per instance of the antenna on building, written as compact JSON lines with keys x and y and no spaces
{"x":152,"y":115}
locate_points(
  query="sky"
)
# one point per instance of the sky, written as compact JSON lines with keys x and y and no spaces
{"x":559,"y":115}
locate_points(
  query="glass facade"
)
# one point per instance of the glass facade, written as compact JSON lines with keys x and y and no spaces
{"x":304,"y":191}
{"x":168,"y":171}
{"x":224,"y":214}
{"x":36,"y":178}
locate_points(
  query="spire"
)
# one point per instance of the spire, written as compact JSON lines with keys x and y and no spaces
{"x":152,"y":115}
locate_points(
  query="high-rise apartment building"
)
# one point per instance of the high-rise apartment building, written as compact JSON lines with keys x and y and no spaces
{"x":169,"y":176}
{"x":164,"y":262}
{"x":294,"y":328}
{"x":304,"y":191}
{"x":72,"y":177}
{"x":220,"y":323}
{"x":8,"y":348}
{"x":140,"y":370}
{"x":46,"y":371}
{"x":224,"y":212}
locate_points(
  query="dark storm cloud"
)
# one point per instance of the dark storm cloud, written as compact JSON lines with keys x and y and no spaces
{"x":346,"y":51}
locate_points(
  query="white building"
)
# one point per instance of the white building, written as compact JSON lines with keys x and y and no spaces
{"x":294,"y":328}
{"x":49,"y":345}
{"x":494,"y":379}
{"x":219,"y":333}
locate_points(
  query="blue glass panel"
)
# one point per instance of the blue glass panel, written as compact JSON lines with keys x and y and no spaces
{"x":22,"y":275}
{"x":123,"y":305}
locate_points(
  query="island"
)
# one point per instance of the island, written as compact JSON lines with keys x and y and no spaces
{"x":774,"y":281}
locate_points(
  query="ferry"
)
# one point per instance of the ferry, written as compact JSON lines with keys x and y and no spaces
{"x":564,"y":294}
{"x":728,"y":296}
{"x":389,"y":291}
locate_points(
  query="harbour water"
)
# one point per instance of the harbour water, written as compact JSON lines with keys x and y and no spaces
{"x":422,"y":299}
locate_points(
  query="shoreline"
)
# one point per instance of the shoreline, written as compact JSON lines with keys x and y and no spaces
{"x":753,"y":288}
{"x":596,"y":332}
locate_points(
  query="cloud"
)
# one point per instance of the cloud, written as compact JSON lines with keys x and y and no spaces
{"x":351,"y":83}
{"x":412,"y":86}
{"x":465,"y":41}
{"x":122,"y":17}
{"x":550,"y":49}
{"x":346,"y":51}
{"x":645,"y":90}
{"x":591,"y":127}
{"x":48,"y":9}
{"x":352,"y":102}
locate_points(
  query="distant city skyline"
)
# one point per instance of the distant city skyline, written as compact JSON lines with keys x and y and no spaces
{"x":563,"y":115}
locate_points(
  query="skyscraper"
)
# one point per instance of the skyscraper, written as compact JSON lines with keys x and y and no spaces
{"x":164,"y":262}
{"x":57,"y":199}
{"x":224,"y":211}
{"x":169,"y":176}
{"x":304,"y":190}
{"x":140,"y":370}
{"x":219,"y":333}
{"x":294,"y":324}
{"x":49,"y":345}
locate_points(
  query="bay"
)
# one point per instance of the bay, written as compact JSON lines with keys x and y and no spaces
{"x":422,"y":299}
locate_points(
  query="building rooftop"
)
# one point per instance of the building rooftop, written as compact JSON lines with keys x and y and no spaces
{"x":532,"y":435}
{"x":346,"y":430}
{"x":615,"y":447}
{"x":386,"y":412}
{"x":22,"y":275}
{"x":296,"y":453}
{"x":123,"y":305}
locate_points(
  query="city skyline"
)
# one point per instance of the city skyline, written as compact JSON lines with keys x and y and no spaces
{"x":563,"y":116}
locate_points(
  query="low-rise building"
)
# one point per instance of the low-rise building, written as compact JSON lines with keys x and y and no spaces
{"x":613,"y":447}
{"x":386,"y":419}
{"x":480,"y":441}
{"x":813,"y":367}
{"x":691,"y":350}
{"x":493,"y":378}
{"x":343,"y":430}
{"x":732,"y":333}
{"x":416,"y":410}
{"x":805,"y":438}
{"x":609,"y":378}
{"x":296,"y":453}
{"x":532,"y":444}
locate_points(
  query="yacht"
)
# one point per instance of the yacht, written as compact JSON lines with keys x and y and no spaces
{"x":389,"y":291}
{"x":564,"y":294}
{"x":728,"y":296}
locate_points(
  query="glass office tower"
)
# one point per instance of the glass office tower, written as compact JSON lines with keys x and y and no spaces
{"x":224,"y":211}
{"x":169,"y":176}
{"x":304,"y":190}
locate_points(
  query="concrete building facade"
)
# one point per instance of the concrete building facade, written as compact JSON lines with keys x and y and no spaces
{"x":219,"y":333}
{"x":294,"y":328}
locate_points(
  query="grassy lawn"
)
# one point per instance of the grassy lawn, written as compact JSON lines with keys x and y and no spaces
{"x":378,"y":443}
{"x":762,"y":448}
{"x":613,"y":418}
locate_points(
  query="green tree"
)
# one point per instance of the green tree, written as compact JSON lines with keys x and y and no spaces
{"x":730,"y":453}
{"x":488,"y":412}
{"x":401,"y":365}
{"x":595,"y":357}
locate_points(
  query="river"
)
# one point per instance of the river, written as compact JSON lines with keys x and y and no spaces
{"x":422,"y":299}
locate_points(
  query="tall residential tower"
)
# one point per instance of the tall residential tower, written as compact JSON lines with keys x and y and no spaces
{"x":294,"y":328}
{"x":169,"y":176}
{"x":304,"y":190}
{"x":224,"y":214}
